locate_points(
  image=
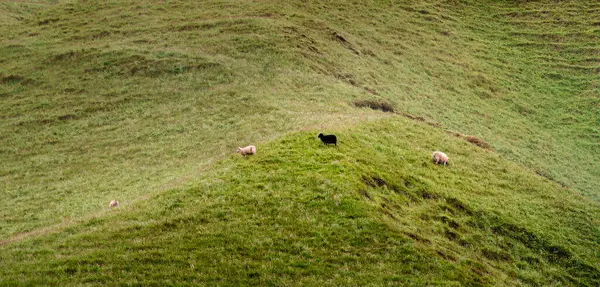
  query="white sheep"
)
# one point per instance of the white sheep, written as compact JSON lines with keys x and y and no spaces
{"x":439,"y":157}
{"x":113,"y":203}
{"x":249,"y":150}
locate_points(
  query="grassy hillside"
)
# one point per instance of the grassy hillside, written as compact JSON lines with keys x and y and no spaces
{"x":144,"y":102}
{"x":372,"y":211}
{"x":122,"y":98}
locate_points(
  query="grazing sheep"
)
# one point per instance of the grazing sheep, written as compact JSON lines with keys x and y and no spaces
{"x":439,"y":157}
{"x":249,"y":150}
{"x":113,"y":203}
{"x":328,"y":139}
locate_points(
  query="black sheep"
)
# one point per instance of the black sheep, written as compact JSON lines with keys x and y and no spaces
{"x":328,"y":139}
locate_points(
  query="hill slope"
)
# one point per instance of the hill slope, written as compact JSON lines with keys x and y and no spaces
{"x":135,"y":99}
{"x":372,"y":211}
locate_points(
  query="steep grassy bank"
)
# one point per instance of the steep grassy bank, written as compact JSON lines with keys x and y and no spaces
{"x":125,"y":98}
{"x":373,"y":211}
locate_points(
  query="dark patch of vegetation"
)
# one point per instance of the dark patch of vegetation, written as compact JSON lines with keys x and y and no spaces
{"x":474,"y":140}
{"x":413,"y":117}
{"x":458,"y":206}
{"x":386,"y":210}
{"x":11,"y":79}
{"x":67,"y":117}
{"x":35,"y":123}
{"x":417,"y":237}
{"x":381,"y":105}
{"x":478,"y":142}
{"x":451,"y":235}
{"x":370,"y":91}
{"x":422,"y":119}
{"x":554,"y":254}
{"x":409,"y":191}
{"x":349,"y":78}
{"x":365,"y":194}
{"x":192,"y":27}
{"x":428,"y":195}
{"x":445,"y":256}
{"x":532,"y":260}
{"x":496,"y":255}
{"x":16,"y":79}
{"x":344,"y":42}
{"x":48,"y":21}
{"x":374,"y":181}
{"x":451,"y":223}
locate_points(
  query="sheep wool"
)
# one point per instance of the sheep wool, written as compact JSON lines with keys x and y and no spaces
{"x":328,"y":139}
{"x":249,"y":150}
{"x":439,"y":157}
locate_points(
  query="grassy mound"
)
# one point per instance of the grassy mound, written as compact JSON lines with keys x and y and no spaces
{"x":374,"y":210}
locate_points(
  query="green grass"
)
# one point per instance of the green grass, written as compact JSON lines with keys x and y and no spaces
{"x":374,"y":211}
{"x":135,"y":100}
